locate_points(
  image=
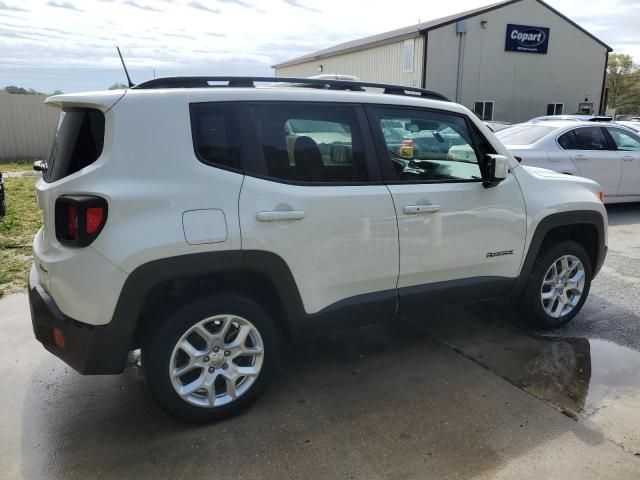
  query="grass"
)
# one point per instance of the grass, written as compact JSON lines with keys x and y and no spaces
{"x":16,"y":164}
{"x":16,"y":167}
{"x":17,"y":228}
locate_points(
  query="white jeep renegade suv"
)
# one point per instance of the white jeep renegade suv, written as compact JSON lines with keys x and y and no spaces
{"x":204,"y":220}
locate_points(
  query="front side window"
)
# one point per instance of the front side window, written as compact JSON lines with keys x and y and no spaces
{"x":625,"y":141}
{"x":215,"y":134}
{"x":429,"y":146}
{"x":311,"y":143}
{"x":484,"y":110}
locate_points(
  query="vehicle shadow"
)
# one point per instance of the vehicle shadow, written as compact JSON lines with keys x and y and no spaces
{"x":368,"y":403}
{"x":598,"y":319}
{"x":623,"y":214}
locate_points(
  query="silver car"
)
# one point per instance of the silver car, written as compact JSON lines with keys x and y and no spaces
{"x":605,"y":152}
{"x":575,"y":118}
{"x":633,"y":124}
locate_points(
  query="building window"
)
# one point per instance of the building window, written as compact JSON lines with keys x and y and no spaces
{"x":555,"y":108}
{"x":407,"y":55}
{"x":484,"y":110}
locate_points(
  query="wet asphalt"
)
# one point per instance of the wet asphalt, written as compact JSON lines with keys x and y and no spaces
{"x":470,"y":393}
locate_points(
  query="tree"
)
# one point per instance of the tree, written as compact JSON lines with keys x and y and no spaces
{"x":118,"y":86}
{"x":21,"y":91}
{"x":623,"y":82}
{"x":57,"y":92}
{"x":14,"y":89}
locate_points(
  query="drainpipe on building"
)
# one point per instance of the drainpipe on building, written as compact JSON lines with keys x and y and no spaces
{"x":461,"y":33}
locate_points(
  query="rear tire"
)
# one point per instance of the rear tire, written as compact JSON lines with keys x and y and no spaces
{"x":558,"y":285}
{"x":211,"y":358}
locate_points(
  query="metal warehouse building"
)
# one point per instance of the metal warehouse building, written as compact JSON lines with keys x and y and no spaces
{"x":509,"y":61}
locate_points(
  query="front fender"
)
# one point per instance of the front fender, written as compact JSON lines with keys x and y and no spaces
{"x":547,"y":224}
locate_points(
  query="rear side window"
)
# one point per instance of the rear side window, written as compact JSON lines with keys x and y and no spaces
{"x":311,"y":143}
{"x":568,"y":141}
{"x":590,"y":138}
{"x":215,"y":134}
{"x":78,"y":143}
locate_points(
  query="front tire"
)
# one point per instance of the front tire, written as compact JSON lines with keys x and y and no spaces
{"x":211,"y":359}
{"x":558,"y":285}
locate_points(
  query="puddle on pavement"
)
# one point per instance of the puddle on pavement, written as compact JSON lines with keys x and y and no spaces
{"x":596,"y":382}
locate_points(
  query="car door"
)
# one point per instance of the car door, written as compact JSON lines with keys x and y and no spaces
{"x":628,"y":145}
{"x":593,"y":156}
{"x":315,"y":199}
{"x":458,"y":239}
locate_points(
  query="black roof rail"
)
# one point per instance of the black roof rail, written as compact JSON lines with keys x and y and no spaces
{"x":249,"y":82}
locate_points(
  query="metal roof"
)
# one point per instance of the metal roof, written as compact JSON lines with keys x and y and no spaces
{"x":418,"y":29}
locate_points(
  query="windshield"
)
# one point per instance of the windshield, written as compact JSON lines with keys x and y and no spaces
{"x":523,"y":134}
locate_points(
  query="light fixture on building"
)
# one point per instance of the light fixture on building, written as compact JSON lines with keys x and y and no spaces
{"x":320,"y":68}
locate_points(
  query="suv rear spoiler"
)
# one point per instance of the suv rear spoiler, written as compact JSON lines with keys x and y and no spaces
{"x":102,"y":101}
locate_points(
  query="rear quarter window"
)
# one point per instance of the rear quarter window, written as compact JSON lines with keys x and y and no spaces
{"x":216,"y":134}
{"x":78,"y":143}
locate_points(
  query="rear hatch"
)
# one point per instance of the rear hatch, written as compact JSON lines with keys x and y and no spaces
{"x":78,"y":144}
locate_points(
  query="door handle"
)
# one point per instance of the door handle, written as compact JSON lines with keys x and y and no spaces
{"x":275,"y":216}
{"x":580,"y":157}
{"x":420,"y":209}
{"x":627,"y":158}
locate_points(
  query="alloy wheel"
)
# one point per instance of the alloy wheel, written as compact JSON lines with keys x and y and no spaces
{"x":562,"y":286}
{"x":216,"y":360}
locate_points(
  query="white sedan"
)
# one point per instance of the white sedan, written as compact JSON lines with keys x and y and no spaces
{"x":633,"y":125}
{"x":605,"y":152}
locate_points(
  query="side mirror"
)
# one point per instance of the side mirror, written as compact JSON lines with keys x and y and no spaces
{"x":494,"y":169}
{"x":40,"y":166}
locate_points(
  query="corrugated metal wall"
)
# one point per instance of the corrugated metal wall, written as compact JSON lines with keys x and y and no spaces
{"x":378,"y":64}
{"x":520,"y":84}
{"x":27,"y":125}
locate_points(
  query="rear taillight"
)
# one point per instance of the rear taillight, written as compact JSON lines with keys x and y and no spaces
{"x":72,"y":220}
{"x":79,"y":219}
{"x":95,"y":219}
{"x":601,"y":195}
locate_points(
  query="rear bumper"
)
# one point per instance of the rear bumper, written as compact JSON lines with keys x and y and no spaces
{"x":91,"y":350}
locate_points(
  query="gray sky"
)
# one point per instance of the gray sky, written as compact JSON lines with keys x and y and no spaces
{"x":70,"y":44}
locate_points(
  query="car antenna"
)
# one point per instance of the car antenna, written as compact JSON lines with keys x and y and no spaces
{"x":125,"y":68}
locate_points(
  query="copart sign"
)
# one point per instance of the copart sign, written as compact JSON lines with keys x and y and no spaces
{"x":527,"y":39}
